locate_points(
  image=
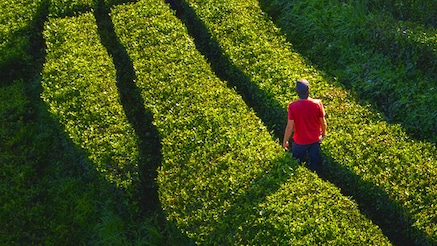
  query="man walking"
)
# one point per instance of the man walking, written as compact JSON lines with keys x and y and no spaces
{"x":307,"y":124}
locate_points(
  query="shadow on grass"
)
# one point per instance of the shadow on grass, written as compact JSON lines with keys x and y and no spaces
{"x":373,"y":202}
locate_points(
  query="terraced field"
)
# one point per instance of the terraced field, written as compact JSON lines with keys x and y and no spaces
{"x":159,"y":123}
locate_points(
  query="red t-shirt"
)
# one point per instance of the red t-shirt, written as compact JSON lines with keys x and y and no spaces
{"x":306,"y":114}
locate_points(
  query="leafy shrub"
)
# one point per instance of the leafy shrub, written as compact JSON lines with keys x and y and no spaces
{"x":17,"y":20}
{"x":360,"y":141}
{"x":79,"y":85}
{"x":80,"y":89}
{"x":223,"y":178}
{"x":61,"y":8}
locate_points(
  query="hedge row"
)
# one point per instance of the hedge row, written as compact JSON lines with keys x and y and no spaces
{"x":49,"y":195}
{"x":33,"y":186}
{"x":423,"y":12}
{"x":80,"y":87}
{"x":380,"y":159}
{"x":63,"y":8}
{"x":386,"y":62}
{"x":17,"y":21}
{"x":224,"y":179}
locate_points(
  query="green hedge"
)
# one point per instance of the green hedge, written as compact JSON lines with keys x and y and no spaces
{"x":82,"y":94}
{"x":360,"y":144}
{"x":224,"y":179}
{"x":80,"y":87}
{"x":17,"y":21}
{"x":386,"y":62}
{"x":62,"y":8}
{"x":423,"y":12}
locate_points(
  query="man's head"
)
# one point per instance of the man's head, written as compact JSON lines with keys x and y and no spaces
{"x":303,"y":88}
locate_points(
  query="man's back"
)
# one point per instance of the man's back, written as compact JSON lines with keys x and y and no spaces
{"x":306,"y":114}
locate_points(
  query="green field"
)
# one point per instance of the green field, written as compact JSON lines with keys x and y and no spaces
{"x":160,"y":123}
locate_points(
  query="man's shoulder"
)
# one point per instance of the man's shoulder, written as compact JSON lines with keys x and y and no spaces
{"x":306,"y":101}
{"x":314,"y":100}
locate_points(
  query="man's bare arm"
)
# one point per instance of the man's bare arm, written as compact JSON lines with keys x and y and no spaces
{"x":288,"y":131}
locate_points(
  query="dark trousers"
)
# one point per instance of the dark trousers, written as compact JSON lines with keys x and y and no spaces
{"x":309,"y":153}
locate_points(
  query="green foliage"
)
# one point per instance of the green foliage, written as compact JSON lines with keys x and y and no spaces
{"x":71,"y":163}
{"x":17,"y":20}
{"x":359,"y":139}
{"x":423,"y":12}
{"x":59,"y":8}
{"x":388,"y":63}
{"x":80,"y":88}
{"x":220,"y":164}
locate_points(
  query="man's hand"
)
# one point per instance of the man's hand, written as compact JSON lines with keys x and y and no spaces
{"x":285,"y":145}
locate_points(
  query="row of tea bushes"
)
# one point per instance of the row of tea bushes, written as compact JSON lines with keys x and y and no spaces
{"x":17,"y":21}
{"x":423,"y":12}
{"x":71,"y":188}
{"x":386,"y":62}
{"x":360,"y":142}
{"x":81,"y":92}
{"x":79,"y":82}
{"x":224,"y":179}
{"x":49,"y":193}
{"x":41,"y":201}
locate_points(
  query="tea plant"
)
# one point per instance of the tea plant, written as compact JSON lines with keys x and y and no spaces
{"x":223,"y":176}
{"x":79,"y":85}
{"x":17,"y":27}
{"x":359,"y":138}
{"x":381,"y":59}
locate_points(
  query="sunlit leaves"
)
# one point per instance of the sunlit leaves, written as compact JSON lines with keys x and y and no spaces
{"x":219,"y":161}
{"x":80,"y":88}
{"x":358,"y":138}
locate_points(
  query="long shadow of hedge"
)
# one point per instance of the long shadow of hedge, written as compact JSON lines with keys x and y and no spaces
{"x":58,"y":174}
{"x":395,"y":223}
{"x":141,"y":119}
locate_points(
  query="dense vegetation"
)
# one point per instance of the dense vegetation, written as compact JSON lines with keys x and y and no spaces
{"x":388,"y":62}
{"x":127,"y":122}
{"x":364,"y":145}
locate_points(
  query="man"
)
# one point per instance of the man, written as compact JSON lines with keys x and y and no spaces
{"x":306,"y":119}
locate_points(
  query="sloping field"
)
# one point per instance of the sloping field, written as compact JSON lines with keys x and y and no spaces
{"x":149,"y":125}
{"x":386,"y":62}
{"x":223,"y":178}
{"x":361,"y":144}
